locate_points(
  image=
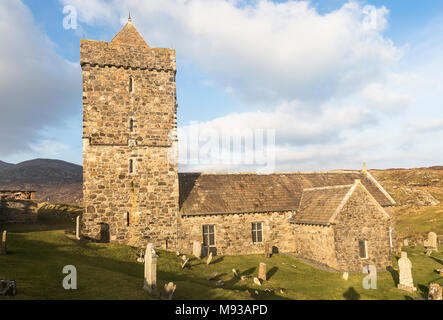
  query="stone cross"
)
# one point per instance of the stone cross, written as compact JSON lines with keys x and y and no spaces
{"x":406,"y":282}
{"x":209,"y":258}
{"x":197,"y":249}
{"x":262,"y":271}
{"x":169,"y":291}
{"x":3,"y":248}
{"x":77,"y":228}
{"x":431,"y":242}
{"x":435,"y":292}
{"x":150,"y":283}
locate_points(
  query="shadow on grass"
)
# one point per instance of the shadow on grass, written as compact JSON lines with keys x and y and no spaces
{"x":271,"y":272}
{"x":424,"y":290}
{"x":394,"y":274}
{"x":437,"y":260}
{"x":218,"y":260}
{"x":351,"y":294}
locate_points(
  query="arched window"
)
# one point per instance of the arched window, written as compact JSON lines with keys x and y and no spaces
{"x":131,"y":125}
{"x":131,"y":166}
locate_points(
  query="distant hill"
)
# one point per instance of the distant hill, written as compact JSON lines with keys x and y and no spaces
{"x":54,"y":180}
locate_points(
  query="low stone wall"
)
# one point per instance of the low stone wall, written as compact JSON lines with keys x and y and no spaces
{"x":233,"y":232}
{"x":316,"y":243}
{"x":18,"y":211}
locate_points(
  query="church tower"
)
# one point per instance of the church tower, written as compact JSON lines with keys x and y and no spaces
{"x":130,"y":176}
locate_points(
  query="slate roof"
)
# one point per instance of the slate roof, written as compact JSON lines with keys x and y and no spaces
{"x":318,"y":205}
{"x":206,"y":193}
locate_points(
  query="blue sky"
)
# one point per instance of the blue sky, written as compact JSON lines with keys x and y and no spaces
{"x":336,"y":91}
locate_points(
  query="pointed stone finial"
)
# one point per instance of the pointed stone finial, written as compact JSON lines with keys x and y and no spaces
{"x":129,"y":18}
{"x":364,"y":167}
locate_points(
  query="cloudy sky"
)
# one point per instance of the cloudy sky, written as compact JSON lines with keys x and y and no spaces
{"x":337,"y":82}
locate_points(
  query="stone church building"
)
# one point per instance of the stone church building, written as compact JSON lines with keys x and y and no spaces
{"x":134,"y":194}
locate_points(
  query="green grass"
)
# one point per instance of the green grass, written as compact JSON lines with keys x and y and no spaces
{"x":38,"y":253}
{"x":421,"y":222}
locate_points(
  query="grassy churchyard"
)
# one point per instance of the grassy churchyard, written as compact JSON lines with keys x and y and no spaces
{"x":37,"y":254}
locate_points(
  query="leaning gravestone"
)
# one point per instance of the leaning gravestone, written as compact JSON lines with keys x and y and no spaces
{"x":77,"y":228}
{"x":257,"y":281}
{"x":262,"y":271}
{"x":235,"y":273}
{"x":8,"y":287}
{"x":185,"y":263}
{"x":406,"y":282}
{"x":345,"y":276}
{"x":3,"y":248}
{"x":197,"y":249}
{"x":169,"y":291}
{"x":212,"y":276}
{"x":435,"y":292}
{"x":209,"y":258}
{"x":150,"y":283}
{"x":431,"y":242}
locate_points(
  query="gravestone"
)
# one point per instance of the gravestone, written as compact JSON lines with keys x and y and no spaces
{"x":184,"y":264}
{"x":431,"y":242}
{"x":77,"y":228}
{"x":345,"y":276}
{"x":406,"y":282}
{"x":3,"y":248}
{"x":150,"y":281}
{"x":262,"y":271}
{"x":212,"y":276}
{"x":435,"y":292}
{"x":257,"y":281}
{"x":406,"y":242}
{"x":235,"y":273}
{"x":400,"y":247}
{"x":209,"y":258}
{"x":268,"y":250}
{"x":197,"y":249}
{"x":169,"y":291}
{"x":243,"y":278}
{"x":8,"y":287}
{"x":184,"y":258}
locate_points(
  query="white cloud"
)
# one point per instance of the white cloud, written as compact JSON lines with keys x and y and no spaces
{"x":380,"y":97}
{"x":37,"y":86}
{"x":265,"y":51}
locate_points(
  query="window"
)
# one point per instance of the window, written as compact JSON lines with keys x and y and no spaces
{"x":131,"y":85}
{"x":131,"y":125}
{"x":208,"y":235}
{"x":257,"y":232}
{"x":127,"y":218}
{"x":363,"y":249}
{"x":131,"y":166}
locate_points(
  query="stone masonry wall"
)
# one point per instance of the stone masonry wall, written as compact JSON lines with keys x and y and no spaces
{"x":316,"y":243}
{"x":142,"y":206}
{"x":233,"y":232}
{"x":362,"y":219}
{"x":18,"y":211}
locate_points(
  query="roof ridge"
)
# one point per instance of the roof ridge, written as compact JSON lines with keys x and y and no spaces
{"x":274,"y":173}
{"x":328,"y":187}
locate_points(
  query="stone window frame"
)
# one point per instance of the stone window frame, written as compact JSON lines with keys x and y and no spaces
{"x":131,"y":125}
{"x":256,"y":230}
{"x":214,"y":233}
{"x":365,"y":247}
{"x":131,"y":168}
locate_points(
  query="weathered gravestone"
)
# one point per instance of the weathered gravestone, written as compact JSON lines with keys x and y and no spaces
{"x":77,"y":228}
{"x":431,"y":242}
{"x":185,"y":263}
{"x":3,"y":248}
{"x":262,"y":271}
{"x":8,"y":287}
{"x":235,"y":273}
{"x":209,"y":258}
{"x":257,"y":281}
{"x":345,"y":276}
{"x":406,"y":282}
{"x":169,"y":291}
{"x":268,"y":250}
{"x":212,"y":276}
{"x":406,"y":242}
{"x":150,"y":282}
{"x":197,"y":249}
{"x":435,"y":292}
